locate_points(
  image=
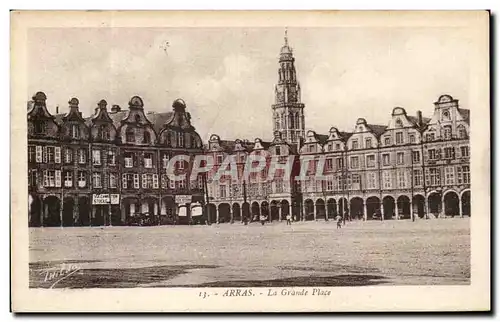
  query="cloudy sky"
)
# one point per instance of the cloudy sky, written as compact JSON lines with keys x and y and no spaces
{"x":227,"y":76}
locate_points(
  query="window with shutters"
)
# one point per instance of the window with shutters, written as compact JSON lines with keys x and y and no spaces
{"x":32,"y":178}
{"x":329,"y":164}
{"x":400,"y":158}
{"x":49,"y":178}
{"x":148,"y":160}
{"x":96,"y":157}
{"x":96,"y":180}
{"x":112,"y":180}
{"x":111,"y":157}
{"x":368,"y":143}
{"x":68,"y":155}
{"x":432,"y":154}
{"x":31,"y":153}
{"x":449,"y":153}
{"x":155,"y":181}
{"x":75,"y":131}
{"x":434,"y":177}
{"x":449,"y":175}
{"x":82,"y":156}
{"x":370,"y":161}
{"x":129,"y":159}
{"x":354,"y":162}
{"x":340,"y":163}
{"x":164,"y":181}
{"x":222,"y":191}
{"x":402,"y":179}
{"x":82,"y":179}
{"x":50,"y":154}
{"x":164,"y":161}
{"x":447,"y":132}
{"x":372,"y":180}
{"x":38,"y":156}
{"x":466,"y":174}
{"x":417,"y":177}
{"x":387,"y":180}
{"x":415,"y":156}
{"x":68,"y":179}
{"x":180,"y":139}
{"x":136,"y":181}
{"x":386,"y":159}
{"x":464,"y":151}
{"x":399,"y":137}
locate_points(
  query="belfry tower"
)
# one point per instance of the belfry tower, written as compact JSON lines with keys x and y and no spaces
{"x":288,"y":111}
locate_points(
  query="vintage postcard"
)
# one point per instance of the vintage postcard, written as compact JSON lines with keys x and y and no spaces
{"x":250,"y":161}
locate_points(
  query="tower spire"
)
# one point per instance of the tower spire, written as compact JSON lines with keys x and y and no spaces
{"x":286,"y":36}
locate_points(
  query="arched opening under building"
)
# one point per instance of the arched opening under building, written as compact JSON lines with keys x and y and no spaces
{"x":149,"y":211}
{"x":274,"y":211}
{"x":35,"y":211}
{"x":84,"y":211}
{"x":131,"y":210}
{"x":451,"y":204}
{"x":389,"y":207}
{"x":331,"y":207}
{"x":309,"y":209}
{"x":224,"y":213}
{"x":343,"y":208}
{"x":264,"y":210}
{"x":168,"y":211}
{"x":212,"y":213}
{"x":357,"y":208}
{"x":245,"y":211}
{"x":255,"y":211}
{"x":285,"y":209}
{"x":434,"y":202}
{"x":236,"y":212}
{"x":296,"y":210}
{"x":404,"y":211}
{"x":466,"y":203}
{"x":419,"y":205}
{"x":52,"y":206}
{"x":68,"y":208}
{"x":99,"y":214}
{"x":320,"y":209}
{"x":373,"y":210}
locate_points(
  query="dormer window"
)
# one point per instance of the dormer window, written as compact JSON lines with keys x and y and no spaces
{"x":75,"y":131}
{"x":447,"y":132}
{"x":368,"y":143}
{"x":446,"y":115}
{"x":130,"y":135}
{"x":462,"y":133}
{"x":399,"y":123}
{"x":337,"y":146}
{"x":278,"y":150}
{"x":180,"y":139}
{"x":103,"y":133}
{"x":40,"y":127}
{"x":146,"y":137}
{"x":311,"y":148}
{"x":354,"y":144}
{"x":387,"y":140}
{"x":137,"y":118}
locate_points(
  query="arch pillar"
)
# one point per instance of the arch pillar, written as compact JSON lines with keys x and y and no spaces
{"x":460,"y":207}
{"x":411,"y":209}
{"x":305,"y":212}
{"x":365,"y":211}
{"x":279,"y":212}
{"x":217,"y":214}
{"x":396,"y":208}
{"x":231,"y":214}
{"x":426,"y":208}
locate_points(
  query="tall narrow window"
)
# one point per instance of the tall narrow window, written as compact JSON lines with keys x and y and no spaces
{"x":112,"y":180}
{"x":82,"y":180}
{"x":75,"y":131}
{"x":148,"y":160}
{"x":447,"y":132}
{"x":130,"y":135}
{"x":368,"y":143}
{"x":146,"y":137}
{"x":96,"y":157}
{"x":96,"y":179}
{"x":68,"y":179}
{"x":399,"y":138}
{"x":111,"y":157}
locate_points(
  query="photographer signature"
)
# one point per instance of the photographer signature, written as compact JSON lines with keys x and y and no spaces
{"x":56,"y":274}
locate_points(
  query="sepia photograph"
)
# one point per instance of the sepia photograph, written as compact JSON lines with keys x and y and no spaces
{"x":223,"y":158}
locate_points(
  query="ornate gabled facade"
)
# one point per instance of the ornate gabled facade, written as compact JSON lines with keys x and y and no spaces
{"x":74,"y":161}
{"x":288,"y":110}
{"x":414,"y":167}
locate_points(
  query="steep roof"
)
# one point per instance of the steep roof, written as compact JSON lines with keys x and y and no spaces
{"x":345,"y":135}
{"x":159,"y":119}
{"x":465,"y":114}
{"x":322,"y":138}
{"x":378,"y":130}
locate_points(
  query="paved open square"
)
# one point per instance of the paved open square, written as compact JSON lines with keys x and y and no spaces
{"x":392,"y":252}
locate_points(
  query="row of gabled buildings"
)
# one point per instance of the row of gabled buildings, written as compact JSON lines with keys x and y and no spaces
{"x":110,"y":168}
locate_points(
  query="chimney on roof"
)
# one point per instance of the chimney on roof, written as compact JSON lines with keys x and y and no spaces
{"x":115,"y":108}
{"x":57,"y":109}
{"x":419,"y":118}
